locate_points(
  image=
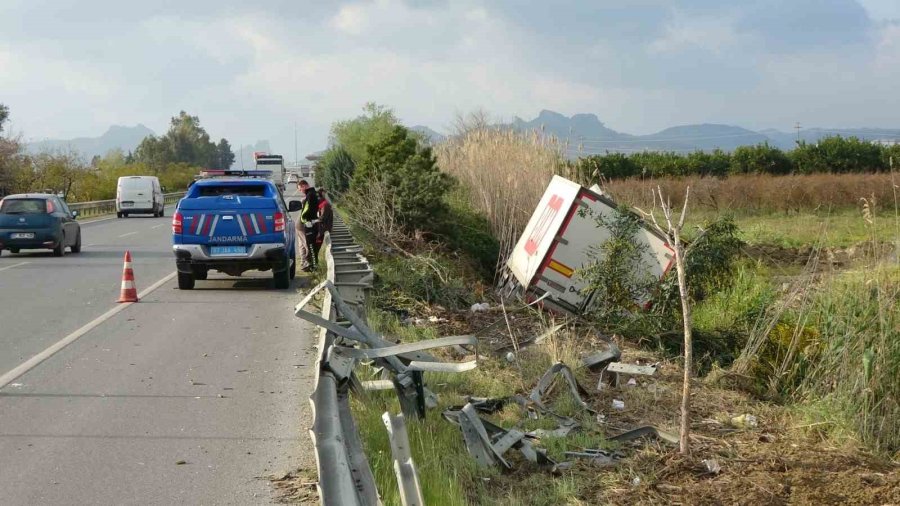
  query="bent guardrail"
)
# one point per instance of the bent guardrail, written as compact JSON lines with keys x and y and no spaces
{"x":345,"y":477}
{"x":101,"y":207}
{"x":345,"y":339}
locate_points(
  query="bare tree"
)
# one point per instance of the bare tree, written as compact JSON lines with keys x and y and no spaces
{"x":673,"y":232}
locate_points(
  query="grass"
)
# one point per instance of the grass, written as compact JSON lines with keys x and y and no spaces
{"x":840,"y":229}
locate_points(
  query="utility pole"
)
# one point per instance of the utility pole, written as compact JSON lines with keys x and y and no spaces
{"x":296,"y":159}
{"x":797,"y":127}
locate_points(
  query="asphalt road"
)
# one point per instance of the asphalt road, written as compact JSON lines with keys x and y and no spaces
{"x":186,"y":397}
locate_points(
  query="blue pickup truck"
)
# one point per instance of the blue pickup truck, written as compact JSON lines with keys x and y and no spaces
{"x":234,"y":224}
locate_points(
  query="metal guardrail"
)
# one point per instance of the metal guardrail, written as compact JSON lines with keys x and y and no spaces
{"x":345,"y":339}
{"x":345,"y":477}
{"x":101,"y":207}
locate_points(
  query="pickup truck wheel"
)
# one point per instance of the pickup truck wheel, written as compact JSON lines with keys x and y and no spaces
{"x":60,"y":249}
{"x":282,"y":279}
{"x":118,"y":215}
{"x":14,"y":250}
{"x":201,"y":273}
{"x":293,"y":269}
{"x":185,"y":281}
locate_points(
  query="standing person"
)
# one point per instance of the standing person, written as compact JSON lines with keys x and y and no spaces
{"x":326,"y":219}
{"x":309,"y":220}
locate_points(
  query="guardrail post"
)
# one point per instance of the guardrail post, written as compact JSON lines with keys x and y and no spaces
{"x":404,"y":467}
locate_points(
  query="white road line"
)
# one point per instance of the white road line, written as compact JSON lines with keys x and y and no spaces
{"x":160,"y":225}
{"x":13,"y":265}
{"x":129,"y":233}
{"x":34,"y":361}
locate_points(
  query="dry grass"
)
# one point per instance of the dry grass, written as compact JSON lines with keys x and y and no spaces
{"x":505,"y":172}
{"x":756,"y":194}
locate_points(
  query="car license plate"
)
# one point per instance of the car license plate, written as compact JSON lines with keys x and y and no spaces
{"x":21,"y":236}
{"x":127,"y":204}
{"x":227,"y":250}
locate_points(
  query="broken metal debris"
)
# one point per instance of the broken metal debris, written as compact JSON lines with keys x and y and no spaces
{"x":615,"y":370}
{"x":599,"y":360}
{"x":487,"y":442}
{"x":601,"y":458}
{"x":547,"y":379}
{"x":647,"y":430}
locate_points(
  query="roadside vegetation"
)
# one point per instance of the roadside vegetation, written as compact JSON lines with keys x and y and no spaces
{"x":175,"y":158}
{"x":794,"y":286}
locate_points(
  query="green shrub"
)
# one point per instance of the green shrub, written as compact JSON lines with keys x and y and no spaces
{"x":335,"y":170}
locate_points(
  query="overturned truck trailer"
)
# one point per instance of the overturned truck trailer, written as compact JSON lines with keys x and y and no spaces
{"x":555,"y":245}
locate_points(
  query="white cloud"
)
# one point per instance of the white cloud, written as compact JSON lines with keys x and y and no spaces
{"x":352,"y":19}
{"x":715,"y":34}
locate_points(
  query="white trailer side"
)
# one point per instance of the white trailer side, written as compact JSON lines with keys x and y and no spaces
{"x":557,"y":239}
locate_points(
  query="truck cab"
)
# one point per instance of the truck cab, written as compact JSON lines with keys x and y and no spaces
{"x":232,"y":223}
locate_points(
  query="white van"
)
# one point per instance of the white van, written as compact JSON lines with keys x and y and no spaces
{"x":139,"y":194}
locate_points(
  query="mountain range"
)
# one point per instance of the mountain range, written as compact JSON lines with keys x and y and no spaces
{"x":581,"y":134}
{"x":116,"y":137}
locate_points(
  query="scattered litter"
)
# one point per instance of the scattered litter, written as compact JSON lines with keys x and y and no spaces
{"x":767,"y":438}
{"x":480,"y":307}
{"x":435,"y":319}
{"x":601,"y":418}
{"x":744,"y":422}
{"x":712,"y":466}
{"x":510,"y":357}
{"x":636,"y":481}
{"x":16,"y":385}
{"x":618,"y":405}
{"x":181,"y":463}
{"x":631,"y":383}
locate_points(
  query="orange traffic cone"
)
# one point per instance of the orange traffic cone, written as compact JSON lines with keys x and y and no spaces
{"x":129,"y":292}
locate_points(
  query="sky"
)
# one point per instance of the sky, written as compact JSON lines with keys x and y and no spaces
{"x":251,"y":70}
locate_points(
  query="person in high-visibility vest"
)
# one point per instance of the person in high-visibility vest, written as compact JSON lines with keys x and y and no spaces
{"x":308,"y":227}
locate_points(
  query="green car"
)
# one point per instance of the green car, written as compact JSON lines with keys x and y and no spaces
{"x":38,"y":221}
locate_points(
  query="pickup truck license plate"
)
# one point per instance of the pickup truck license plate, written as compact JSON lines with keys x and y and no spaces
{"x":227,"y":250}
{"x":21,"y":236}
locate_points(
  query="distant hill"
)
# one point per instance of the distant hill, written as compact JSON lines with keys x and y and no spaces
{"x":117,"y":137}
{"x":431,"y":135}
{"x":585,"y":134}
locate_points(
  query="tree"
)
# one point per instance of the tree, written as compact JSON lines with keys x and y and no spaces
{"x":185,"y":142}
{"x":760,"y":159}
{"x":410,"y":172}
{"x":335,"y":170}
{"x":376,"y":123}
{"x":673,"y":232}
{"x":4,"y":115}
{"x":224,"y":155}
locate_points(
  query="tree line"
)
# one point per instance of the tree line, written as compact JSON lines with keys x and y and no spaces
{"x":175,"y":158}
{"x":835,"y":155}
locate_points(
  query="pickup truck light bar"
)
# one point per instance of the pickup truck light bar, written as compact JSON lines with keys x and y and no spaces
{"x":238,"y":173}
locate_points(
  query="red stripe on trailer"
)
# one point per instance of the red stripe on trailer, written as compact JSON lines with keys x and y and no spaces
{"x":260,"y":219}
{"x":248,"y":224}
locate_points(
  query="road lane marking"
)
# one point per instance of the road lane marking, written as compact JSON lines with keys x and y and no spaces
{"x":129,"y":233}
{"x":160,"y":225}
{"x":53,"y":349}
{"x":13,"y":265}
